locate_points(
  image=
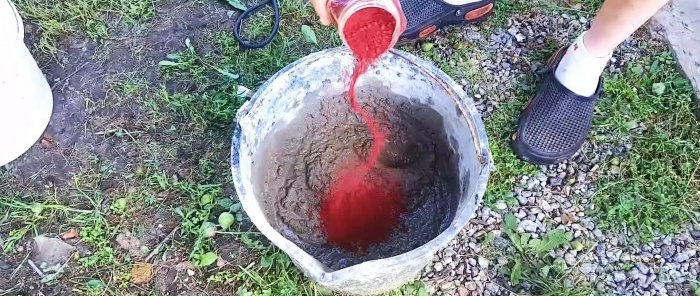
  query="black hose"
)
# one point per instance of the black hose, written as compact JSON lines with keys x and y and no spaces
{"x":246,"y":44}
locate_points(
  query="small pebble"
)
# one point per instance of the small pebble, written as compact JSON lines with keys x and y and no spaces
{"x":555,"y":181}
{"x":447,"y":286}
{"x":528,"y":225}
{"x":635,"y":274}
{"x":438,"y":267}
{"x":570,"y":259}
{"x":619,"y":276}
{"x":695,"y":234}
{"x":483,"y":262}
{"x":588,"y":268}
{"x":501,"y":205}
{"x":668,"y":251}
{"x":681,"y":257}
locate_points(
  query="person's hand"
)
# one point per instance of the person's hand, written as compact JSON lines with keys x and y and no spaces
{"x":324,"y":14}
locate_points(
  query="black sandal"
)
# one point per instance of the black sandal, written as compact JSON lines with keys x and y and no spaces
{"x":556,"y":121}
{"x":425,"y":17}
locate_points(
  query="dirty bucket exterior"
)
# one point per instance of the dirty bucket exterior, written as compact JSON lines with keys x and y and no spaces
{"x":279,"y":100}
{"x":26,"y":101}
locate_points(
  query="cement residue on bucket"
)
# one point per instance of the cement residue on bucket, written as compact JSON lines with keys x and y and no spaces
{"x":296,"y":166}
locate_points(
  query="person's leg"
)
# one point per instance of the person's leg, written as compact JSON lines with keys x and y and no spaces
{"x":616,"y":21}
{"x":587,"y":57}
{"x":557,"y":120}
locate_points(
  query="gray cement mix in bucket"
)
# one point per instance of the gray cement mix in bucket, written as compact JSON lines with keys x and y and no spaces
{"x":298,"y":162}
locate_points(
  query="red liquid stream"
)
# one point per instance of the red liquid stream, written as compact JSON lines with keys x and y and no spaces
{"x":363,"y":207}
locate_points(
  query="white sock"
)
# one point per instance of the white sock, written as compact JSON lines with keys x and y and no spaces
{"x":579,"y":70}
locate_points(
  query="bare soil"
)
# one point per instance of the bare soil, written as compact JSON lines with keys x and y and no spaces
{"x":87,"y":104}
{"x":96,"y":125}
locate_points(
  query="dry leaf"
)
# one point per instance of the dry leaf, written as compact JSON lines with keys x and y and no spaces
{"x":70,"y":234}
{"x":46,"y":141}
{"x":567,"y":218}
{"x":141,"y":273}
{"x":220,"y":262}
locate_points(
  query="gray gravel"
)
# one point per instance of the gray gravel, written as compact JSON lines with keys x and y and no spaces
{"x":559,"y":196}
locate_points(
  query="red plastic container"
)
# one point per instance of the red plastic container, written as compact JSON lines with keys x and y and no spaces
{"x":341,"y":10}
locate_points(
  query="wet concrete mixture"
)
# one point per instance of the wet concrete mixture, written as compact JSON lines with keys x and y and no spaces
{"x":294,"y":172}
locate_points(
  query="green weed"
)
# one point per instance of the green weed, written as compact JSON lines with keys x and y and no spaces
{"x":590,"y":6}
{"x":216,"y":108}
{"x":532,"y":262}
{"x":195,"y":214}
{"x":185,"y":63}
{"x":273,"y":275}
{"x":695,"y":287}
{"x":98,"y":234}
{"x":222,"y":277}
{"x":94,"y":229}
{"x":417,"y":288}
{"x":220,"y":95}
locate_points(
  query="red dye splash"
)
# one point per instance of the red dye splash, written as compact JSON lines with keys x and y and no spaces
{"x":363,"y":207}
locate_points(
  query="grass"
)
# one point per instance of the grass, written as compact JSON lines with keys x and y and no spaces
{"x":95,"y":231}
{"x":504,"y":9}
{"x":57,"y":18}
{"x":29,"y":216}
{"x":181,"y":149}
{"x":508,"y":166}
{"x":659,"y":183}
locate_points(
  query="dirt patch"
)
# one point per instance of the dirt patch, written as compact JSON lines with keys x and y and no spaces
{"x":304,"y":158}
{"x":80,"y":148}
{"x":50,"y":256}
{"x":127,"y":241}
{"x":233,"y":253}
{"x":88,"y":102}
{"x":176,"y":276}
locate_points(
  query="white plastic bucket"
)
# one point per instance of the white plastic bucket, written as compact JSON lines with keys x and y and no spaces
{"x":325,"y":73}
{"x":26,"y":101}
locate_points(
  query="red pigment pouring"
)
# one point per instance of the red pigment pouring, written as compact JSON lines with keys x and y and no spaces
{"x":363,"y":206}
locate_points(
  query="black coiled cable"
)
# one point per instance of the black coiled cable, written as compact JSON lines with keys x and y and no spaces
{"x":246,"y":44}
